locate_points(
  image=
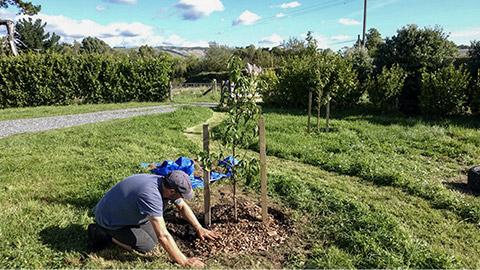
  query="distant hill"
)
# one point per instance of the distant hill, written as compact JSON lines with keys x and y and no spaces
{"x":183,"y":51}
{"x":176,"y":51}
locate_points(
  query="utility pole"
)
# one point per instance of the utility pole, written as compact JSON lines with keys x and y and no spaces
{"x":364,"y":22}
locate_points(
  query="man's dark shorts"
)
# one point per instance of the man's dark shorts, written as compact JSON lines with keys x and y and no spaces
{"x":142,"y":237}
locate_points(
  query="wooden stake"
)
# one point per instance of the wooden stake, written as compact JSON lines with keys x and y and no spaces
{"x":327,"y":117}
{"x":263,"y":163}
{"x":170,"y":97}
{"x":206,"y":179}
{"x":319,"y":105}
{"x":310,"y":94}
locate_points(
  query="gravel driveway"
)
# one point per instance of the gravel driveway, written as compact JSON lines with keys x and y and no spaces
{"x":11,"y":127}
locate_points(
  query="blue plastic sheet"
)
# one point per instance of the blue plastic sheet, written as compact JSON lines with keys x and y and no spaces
{"x":186,"y":165}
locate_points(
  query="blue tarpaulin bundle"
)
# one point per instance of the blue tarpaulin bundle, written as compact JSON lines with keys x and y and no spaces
{"x":186,"y":165}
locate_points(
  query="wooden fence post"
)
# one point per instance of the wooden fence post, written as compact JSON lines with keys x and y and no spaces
{"x":214,"y":86}
{"x":206,"y":179}
{"x":263,"y":173}
{"x":310,"y":96}
{"x":170,"y":97}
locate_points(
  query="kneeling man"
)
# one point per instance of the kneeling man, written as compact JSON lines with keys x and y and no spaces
{"x":131,"y":214}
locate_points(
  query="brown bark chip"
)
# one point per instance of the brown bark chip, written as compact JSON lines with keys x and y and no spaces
{"x":247,"y":235}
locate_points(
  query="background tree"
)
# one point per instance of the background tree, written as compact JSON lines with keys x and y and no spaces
{"x":373,"y":41}
{"x":95,"y":45}
{"x":346,"y":90}
{"x":24,"y":7}
{"x":216,"y":58}
{"x":473,"y":65}
{"x":361,"y":61}
{"x":4,"y":47}
{"x":179,"y":69}
{"x":31,"y":35}
{"x":385,"y":88}
{"x":146,"y":51}
{"x":443,"y":92}
{"x":415,"y":50}
{"x":293,"y":46}
{"x":474,"y":57}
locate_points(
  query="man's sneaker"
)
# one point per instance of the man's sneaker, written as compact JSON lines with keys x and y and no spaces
{"x":97,"y":237}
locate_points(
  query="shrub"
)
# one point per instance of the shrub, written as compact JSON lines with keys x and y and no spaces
{"x":296,"y":79}
{"x":415,"y":49}
{"x":270,"y":79}
{"x":385,"y":88}
{"x":474,"y":94}
{"x":54,"y":79}
{"x":444,"y":91}
{"x":361,"y":61}
{"x":342,"y":84}
{"x":474,"y":68}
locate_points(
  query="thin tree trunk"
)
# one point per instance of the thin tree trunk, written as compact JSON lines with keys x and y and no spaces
{"x":310,"y":94}
{"x":319,"y":104}
{"x":234,"y":186}
{"x":10,"y":37}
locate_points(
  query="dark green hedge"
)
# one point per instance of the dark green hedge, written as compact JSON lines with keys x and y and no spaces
{"x":54,"y":79}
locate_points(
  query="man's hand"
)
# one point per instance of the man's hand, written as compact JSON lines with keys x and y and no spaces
{"x":195,"y":262}
{"x":207,"y":234}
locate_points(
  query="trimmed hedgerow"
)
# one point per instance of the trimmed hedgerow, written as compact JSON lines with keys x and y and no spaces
{"x":54,"y":79}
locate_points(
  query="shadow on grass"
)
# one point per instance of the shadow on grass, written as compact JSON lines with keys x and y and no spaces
{"x":461,"y":187}
{"x":67,"y":239}
{"x":73,"y":238}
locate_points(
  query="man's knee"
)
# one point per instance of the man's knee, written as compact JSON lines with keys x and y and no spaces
{"x":145,"y":246}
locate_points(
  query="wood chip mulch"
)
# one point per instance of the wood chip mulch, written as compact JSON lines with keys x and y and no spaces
{"x":248,"y":235}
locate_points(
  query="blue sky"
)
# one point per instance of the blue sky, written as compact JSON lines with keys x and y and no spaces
{"x":263,"y":23}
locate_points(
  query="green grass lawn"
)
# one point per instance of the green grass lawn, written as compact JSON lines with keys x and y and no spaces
{"x":196,"y":94}
{"x":376,"y":192}
{"x":402,"y":200}
{"x":43,"y":111}
{"x":180,"y":95}
{"x":50,"y":182}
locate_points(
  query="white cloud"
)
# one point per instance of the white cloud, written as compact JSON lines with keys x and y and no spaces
{"x":197,"y":9}
{"x":114,"y":34}
{"x":272,"y":40}
{"x":121,"y":1}
{"x":348,"y":21}
{"x":246,"y":18}
{"x":339,"y":37}
{"x":101,"y":8}
{"x":474,"y":33}
{"x":279,"y":15}
{"x":293,"y":4}
{"x":290,"y":5}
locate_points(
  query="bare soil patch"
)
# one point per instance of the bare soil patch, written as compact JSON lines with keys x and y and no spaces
{"x":246,"y":236}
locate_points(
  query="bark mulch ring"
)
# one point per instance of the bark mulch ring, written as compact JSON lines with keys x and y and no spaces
{"x":247,"y":235}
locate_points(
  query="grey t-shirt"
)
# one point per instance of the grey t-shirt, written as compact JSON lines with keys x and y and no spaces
{"x":131,"y":201}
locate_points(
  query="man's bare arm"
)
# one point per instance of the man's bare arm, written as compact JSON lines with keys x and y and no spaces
{"x":187,"y":214}
{"x":167,"y":241}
